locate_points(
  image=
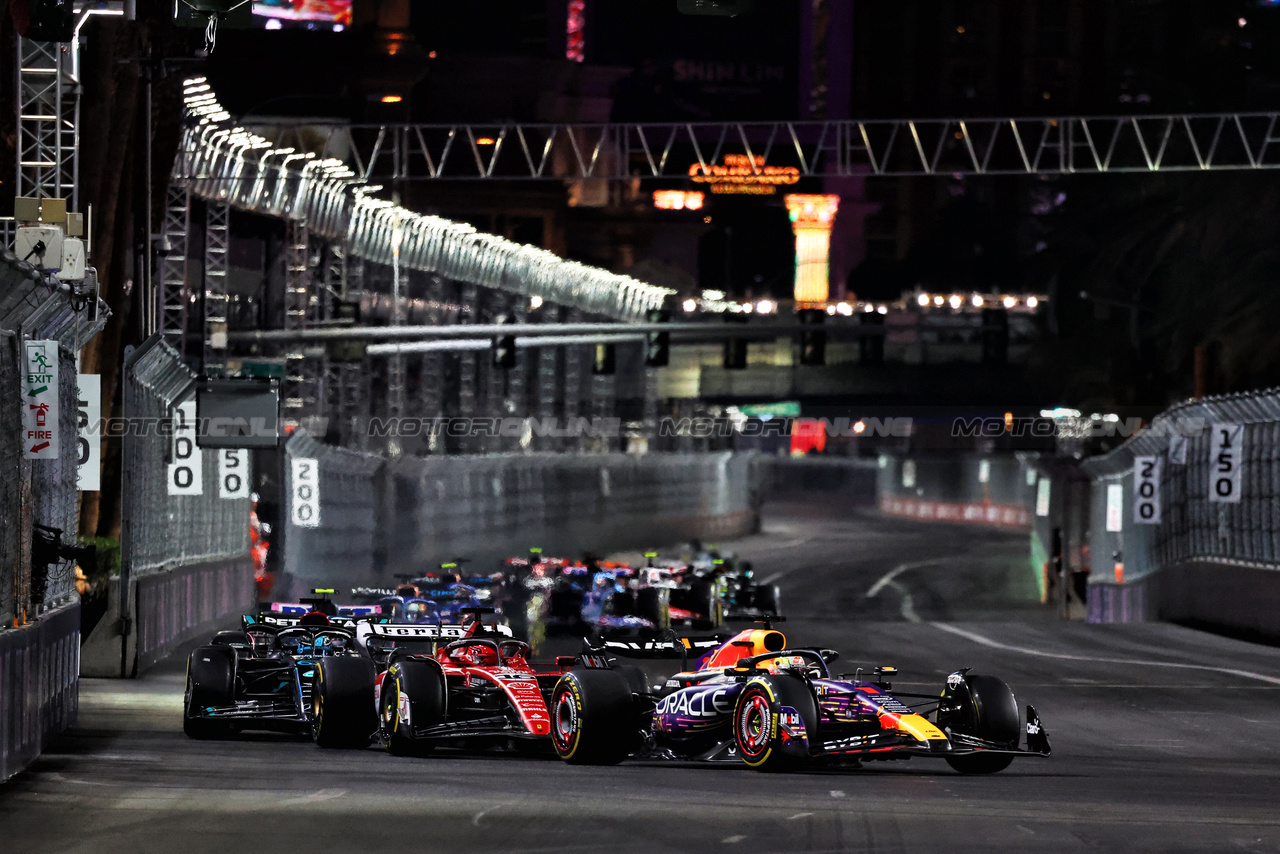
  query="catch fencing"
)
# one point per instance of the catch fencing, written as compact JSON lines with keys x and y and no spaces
{"x":166,"y":530}
{"x":39,"y":608}
{"x":175,"y":548}
{"x":379,"y":516}
{"x":36,"y":491}
{"x":1214,"y":554}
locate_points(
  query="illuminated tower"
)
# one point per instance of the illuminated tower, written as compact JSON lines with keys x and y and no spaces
{"x":811,"y":219}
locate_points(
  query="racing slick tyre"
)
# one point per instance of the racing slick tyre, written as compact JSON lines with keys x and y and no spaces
{"x":653,"y":606}
{"x":343,"y":697}
{"x":989,"y":711}
{"x":413,"y":695}
{"x":210,"y":682}
{"x":758,"y":723}
{"x":593,"y":720}
{"x":767,"y":600}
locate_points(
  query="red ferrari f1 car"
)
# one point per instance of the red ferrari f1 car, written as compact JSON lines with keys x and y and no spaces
{"x":466,"y":685}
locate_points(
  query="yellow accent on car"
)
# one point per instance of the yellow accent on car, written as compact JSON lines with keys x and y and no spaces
{"x":919,"y":728}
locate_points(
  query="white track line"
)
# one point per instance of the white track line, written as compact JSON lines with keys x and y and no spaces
{"x":988,"y":642}
{"x":908,"y":606}
{"x":889,"y":576}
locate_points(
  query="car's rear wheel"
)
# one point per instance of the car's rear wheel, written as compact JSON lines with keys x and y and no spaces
{"x":343,"y":695}
{"x":759,"y":720}
{"x":417,"y":688}
{"x":593,"y":719}
{"x":210,"y":682}
{"x":987,"y":709}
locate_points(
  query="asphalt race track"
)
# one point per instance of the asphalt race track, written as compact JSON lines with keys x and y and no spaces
{"x":1165,"y":739}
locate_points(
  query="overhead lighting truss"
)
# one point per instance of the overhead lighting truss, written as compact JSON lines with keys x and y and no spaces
{"x":892,"y":147}
{"x":229,"y":164}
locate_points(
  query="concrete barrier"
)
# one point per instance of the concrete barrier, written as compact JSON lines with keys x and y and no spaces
{"x":1236,"y":597}
{"x":171,"y":607}
{"x":1133,"y":602}
{"x":39,"y":685}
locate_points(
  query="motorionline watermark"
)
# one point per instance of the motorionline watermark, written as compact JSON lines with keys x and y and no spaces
{"x":611,"y":428}
{"x":1074,"y":428}
{"x":167,"y":427}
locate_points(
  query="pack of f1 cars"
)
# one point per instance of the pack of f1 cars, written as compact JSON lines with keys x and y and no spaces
{"x":611,"y":599}
{"x":433,"y":597}
{"x":549,"y":596}
{"x":755,"y":700}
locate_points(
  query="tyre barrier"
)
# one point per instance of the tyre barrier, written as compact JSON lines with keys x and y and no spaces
{"x":39,"y":685}
{"x":965,"y":513}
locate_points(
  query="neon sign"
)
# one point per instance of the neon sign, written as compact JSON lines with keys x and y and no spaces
{"x":678,"y":200}
{"x":744,"y":174}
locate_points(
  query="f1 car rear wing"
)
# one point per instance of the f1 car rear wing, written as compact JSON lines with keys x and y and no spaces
{"x":297,"y":609}
{"x":420,"y":631}
{"x":671,"y":646}
{"x":287,"y":621}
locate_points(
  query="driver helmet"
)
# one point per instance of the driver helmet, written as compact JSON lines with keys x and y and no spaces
{"x":417,"y":611}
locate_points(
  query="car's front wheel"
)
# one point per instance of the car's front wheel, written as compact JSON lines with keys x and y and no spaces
{"x":343,"y":695}
{"x":773,"y":721}
{"x":592,"y":717}
{"x":413,"y":695}
{"x":210,"y":681}
{"x":986,"y":708}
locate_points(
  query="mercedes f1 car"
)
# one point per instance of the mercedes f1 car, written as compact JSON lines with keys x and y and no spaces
{"x":291,"y":673}
{"x":755,"y":700}
{"x":462,"y":685}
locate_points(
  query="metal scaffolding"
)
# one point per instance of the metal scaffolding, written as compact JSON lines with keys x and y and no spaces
{"x":784,"y":152}
{"x":300,"y":377}
{"x":216,"y":237}
{"x":48,"y":162}
{"x":175,"y":293}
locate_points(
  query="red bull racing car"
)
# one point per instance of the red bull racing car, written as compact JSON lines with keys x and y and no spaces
{"x":755,"y":700}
